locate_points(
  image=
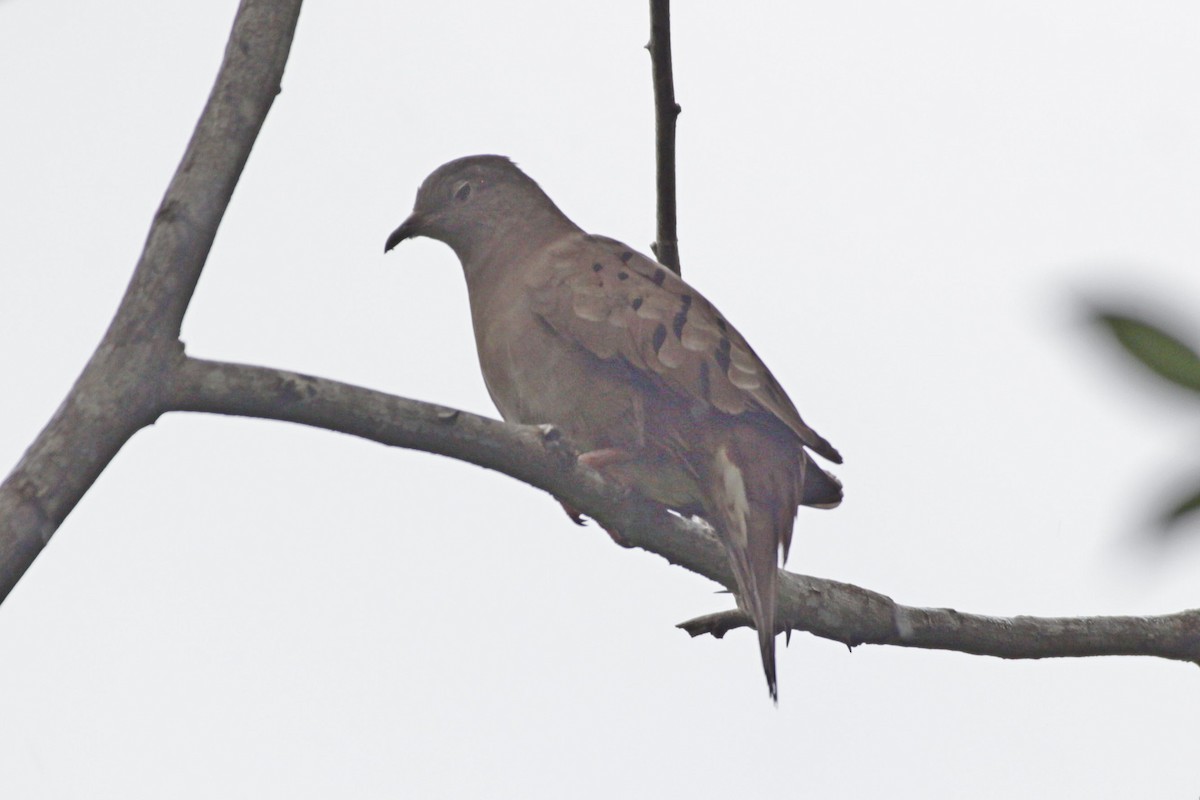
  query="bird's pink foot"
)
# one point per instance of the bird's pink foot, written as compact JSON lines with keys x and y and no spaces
{"x":600,"y":460}
{"x":577,"y":517}
{"x":604,"y":457}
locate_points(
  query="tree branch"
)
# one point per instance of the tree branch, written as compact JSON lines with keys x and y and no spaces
{"x":855,"y":616}
{"x":540,"y":457}
{"x":666,"y":111}
{"x":118,"y":391}
{"x":139,"y":371}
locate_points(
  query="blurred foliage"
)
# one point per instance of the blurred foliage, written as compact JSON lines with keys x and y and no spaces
{"x":1154,"y":347}
{"x":1170,"y":358}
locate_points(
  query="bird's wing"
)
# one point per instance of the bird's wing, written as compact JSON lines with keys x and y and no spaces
{"x":617,"y":303}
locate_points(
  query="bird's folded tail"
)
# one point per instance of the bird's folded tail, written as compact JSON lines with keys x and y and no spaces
{"x":749,"y":525}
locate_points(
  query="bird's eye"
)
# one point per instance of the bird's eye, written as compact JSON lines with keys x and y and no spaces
{"x":462,"y":191}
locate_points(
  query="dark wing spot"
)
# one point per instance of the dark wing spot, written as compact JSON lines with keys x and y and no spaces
{"x":622,"y":275}
{"x":659,"y":276}
{"x":681,"y":318}
{"x":637,"y":303}
{"x":722,"y":355}
{"x":597,"y":267}
{"x":660,"y":336}
{"x":626,"y":256}
{"x":721,"y":324}
{"x":678,"y":323}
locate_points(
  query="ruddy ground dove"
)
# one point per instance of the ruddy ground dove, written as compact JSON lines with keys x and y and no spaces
{"x":636,"y":367}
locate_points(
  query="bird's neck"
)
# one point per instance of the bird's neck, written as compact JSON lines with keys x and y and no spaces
{"x":495,"y":250}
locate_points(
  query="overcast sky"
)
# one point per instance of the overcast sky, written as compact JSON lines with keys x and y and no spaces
{"x":902,"y":206}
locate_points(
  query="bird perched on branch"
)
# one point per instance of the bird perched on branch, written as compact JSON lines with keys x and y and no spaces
{"x":635,"y":366}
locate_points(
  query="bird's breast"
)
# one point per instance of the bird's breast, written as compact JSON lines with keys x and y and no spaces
{"x":535,"y":376}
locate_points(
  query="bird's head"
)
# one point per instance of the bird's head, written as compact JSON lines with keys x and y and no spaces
{"x":468,"y":202}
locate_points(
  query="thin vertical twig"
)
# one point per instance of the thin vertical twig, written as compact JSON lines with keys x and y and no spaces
{"x":666,"y":111}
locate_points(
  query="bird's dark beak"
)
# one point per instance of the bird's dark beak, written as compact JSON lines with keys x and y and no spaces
{"x":407,"y":230}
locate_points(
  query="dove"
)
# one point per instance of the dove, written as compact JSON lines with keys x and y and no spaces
{"x":657,"y":389}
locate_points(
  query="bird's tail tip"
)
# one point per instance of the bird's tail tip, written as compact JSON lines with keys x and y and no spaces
{"x":767,"y":646}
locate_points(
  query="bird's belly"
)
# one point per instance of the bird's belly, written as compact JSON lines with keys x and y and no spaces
{"x":597,"y":405}
{"x":540,"y":378}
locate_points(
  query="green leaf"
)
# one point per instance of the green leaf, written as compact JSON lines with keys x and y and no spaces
{"x":1184,"y":508}
{"x":1160,"y":351}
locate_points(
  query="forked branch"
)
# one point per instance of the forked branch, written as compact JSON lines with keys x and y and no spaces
{"x":139,"y":371}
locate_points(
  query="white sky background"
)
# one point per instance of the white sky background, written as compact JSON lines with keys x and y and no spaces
{"x":900,"y":204}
